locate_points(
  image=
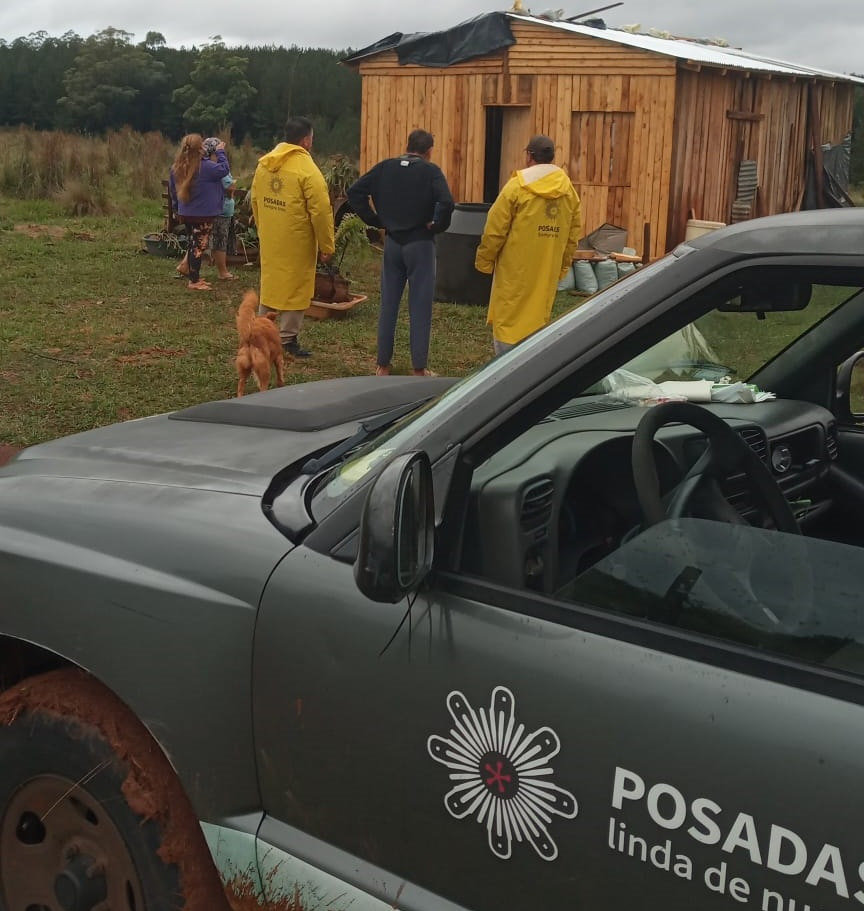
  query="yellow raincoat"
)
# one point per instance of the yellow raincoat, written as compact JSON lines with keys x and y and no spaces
{"x":531,"y":232}
{"x":292,"y":210}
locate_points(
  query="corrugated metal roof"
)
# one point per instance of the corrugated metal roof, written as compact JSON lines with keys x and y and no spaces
{"x":692,"y":51}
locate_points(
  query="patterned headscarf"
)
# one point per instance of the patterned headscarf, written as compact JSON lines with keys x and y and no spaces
{"x":209,"y":146}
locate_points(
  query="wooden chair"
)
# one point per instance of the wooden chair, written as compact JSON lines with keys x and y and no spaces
{"x":170,"y":216}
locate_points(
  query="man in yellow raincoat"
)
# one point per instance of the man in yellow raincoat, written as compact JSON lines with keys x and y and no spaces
{"x":292,"y":211}
{"x":531,"y":233}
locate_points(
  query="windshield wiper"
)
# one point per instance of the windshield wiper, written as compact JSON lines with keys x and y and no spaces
{"x":368,"y":429}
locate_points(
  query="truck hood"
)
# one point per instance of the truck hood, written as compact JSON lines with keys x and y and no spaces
{"x":234,"y":445}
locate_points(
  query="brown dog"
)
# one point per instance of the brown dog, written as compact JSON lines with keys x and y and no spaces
{"x":258,"y":346}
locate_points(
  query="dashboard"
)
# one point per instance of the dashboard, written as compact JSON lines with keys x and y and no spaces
{"x":560,"y":497}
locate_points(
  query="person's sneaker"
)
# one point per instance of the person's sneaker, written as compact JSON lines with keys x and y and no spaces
{"x":294,"y":349}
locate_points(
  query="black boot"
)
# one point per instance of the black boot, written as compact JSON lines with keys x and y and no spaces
{"x":293,"y":348}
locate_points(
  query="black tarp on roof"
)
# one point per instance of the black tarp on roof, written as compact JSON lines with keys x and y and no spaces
{"x":473,"y":38}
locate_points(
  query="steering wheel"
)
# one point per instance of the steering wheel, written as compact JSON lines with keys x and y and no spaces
{"x":725,"y":455}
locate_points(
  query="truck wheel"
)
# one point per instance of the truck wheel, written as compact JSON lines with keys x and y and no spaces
{"x":87,"y":815}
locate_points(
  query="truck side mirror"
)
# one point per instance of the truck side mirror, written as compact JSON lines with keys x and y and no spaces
{"x":397,"y":530}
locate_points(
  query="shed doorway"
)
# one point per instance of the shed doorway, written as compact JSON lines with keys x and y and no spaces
{"x":508,"y":130}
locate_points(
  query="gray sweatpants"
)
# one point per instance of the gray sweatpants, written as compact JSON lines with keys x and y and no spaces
{"x":290,"y":322}
{"x":412,"y":264}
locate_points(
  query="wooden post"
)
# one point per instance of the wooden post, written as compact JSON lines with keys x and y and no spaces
{"x":816,"y":139}
{"x":168,"y":209}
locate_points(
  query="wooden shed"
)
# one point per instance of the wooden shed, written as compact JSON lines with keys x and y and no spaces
{"x":651,"y":130}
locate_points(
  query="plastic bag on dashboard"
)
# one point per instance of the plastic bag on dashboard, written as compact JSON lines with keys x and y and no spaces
{"x":629,"y":387}
{"x":708,"y":391}
{"x":625,"y":386}
{"x":745,"y":393}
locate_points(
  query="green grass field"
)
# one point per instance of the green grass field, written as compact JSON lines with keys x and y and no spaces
{"x":94,"y":330}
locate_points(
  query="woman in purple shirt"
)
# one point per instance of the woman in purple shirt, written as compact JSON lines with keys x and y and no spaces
{"x":196,"y":191}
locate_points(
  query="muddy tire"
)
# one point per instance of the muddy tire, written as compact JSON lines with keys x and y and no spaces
{"x":86,"y":815}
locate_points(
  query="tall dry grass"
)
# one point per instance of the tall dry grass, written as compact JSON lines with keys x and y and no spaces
{"x":87,"y":175}
{"x":95,"y":175}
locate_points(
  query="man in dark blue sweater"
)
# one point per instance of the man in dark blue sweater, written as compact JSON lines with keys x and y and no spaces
{"x":408,"y":196}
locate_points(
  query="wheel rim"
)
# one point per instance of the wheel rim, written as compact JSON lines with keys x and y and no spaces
{"x":60,"y":851}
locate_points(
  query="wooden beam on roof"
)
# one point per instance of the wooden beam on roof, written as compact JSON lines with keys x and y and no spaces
{"x":590,"y":12}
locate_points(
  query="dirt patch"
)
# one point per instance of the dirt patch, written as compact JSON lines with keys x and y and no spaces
{"x":151,"y":788}
{"x":55,"y":231}
{"x":6,"y":453}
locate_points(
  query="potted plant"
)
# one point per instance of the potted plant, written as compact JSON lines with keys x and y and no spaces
{"x":165,"y":243}
{"x":330,"y":285}
{"x":339,"y":173}
{"x":244,"y":250}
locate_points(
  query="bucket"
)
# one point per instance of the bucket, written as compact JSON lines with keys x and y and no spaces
{"x":456,"y":279}
{"x":696,"y":228}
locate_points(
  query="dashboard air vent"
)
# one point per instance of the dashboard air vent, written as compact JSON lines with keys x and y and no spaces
{"x":755,"y":439}
{"x":742,"y":502}
{"x":536,"y":505}
{"x":831,"y":441}
{"x":578,"y":409}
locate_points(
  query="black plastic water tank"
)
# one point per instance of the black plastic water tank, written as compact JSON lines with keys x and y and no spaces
{"x":456,"y":279}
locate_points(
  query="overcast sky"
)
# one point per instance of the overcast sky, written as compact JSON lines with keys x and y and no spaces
{"x":827,"y":34}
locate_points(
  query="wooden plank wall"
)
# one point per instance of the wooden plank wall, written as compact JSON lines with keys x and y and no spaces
{"x":447,"y":101}
{"x":516,"y":130}
{"x":618,"y":152}
{"x":543,"y":51}
{"x":544,"y":78}
{"x":836,"y":104}
{"x":780,"y":144}
{"x":683,"y":148}
{"x":702,"y":142}
{"x":580,"y":81}
{"x":709,"y":144}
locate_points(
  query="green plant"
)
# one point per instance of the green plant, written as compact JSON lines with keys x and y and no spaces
{"x":339,"y":172}
{"x":245,"y":231}
{"x":350,"y":236}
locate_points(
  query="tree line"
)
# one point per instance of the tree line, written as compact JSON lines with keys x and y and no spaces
{"x":105,"y":82}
